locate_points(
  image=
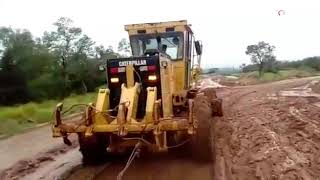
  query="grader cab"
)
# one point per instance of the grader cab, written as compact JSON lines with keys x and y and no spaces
{"x":151,"y":100}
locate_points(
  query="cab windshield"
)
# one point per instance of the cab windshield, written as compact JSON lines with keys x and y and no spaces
{"x":171,"y":44}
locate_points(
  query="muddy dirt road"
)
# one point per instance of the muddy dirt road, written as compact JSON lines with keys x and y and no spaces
{"x":268,"y":132}
{"x":159,"y":167}
{"x":264,"y":135}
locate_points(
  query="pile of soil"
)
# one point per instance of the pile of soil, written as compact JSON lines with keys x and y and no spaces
{"x":316,"y":87}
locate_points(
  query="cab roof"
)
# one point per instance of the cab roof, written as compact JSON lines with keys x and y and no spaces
{"x":182,"y":24}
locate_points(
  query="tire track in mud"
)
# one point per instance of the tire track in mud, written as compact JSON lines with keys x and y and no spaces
{"x":251,"y":146}
{"x":159,"y":167}
{"x":223,"y":131}
{"x":162,"y":166}
{"x":226,"y":157}
{"x":155,"y":166}
{"x":167,"y":166}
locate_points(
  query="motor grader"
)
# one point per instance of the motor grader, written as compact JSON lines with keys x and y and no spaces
{"x":152,"y":101}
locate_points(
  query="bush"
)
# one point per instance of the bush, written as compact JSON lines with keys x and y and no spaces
{"x":46,"y":87}
{"x":13,"y":88}
{"x":312,"y":62}
{"x":309,"y":64}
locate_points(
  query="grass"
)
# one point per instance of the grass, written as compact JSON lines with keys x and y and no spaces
{"x":253,"y":77}
{"x":16,"y":119}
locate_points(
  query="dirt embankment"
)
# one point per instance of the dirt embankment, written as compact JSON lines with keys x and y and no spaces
{"x":316,"y":87}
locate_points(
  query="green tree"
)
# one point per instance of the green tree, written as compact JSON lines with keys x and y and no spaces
{"x":13,"y":88}
{"x":62,"y":61}
{"x":5,"y":38}
{"x":7,"y":61}
{"x":312,"y":62}
{"x":72,"y":49}
{"x":242,"y":66}
{"x":27,"y":55}
{"x":124,"y":47}
{"x":19,"y":64}
{"x":261,"y":55}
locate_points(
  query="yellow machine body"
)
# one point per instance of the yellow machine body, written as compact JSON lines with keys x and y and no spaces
{"x":172,"y":112}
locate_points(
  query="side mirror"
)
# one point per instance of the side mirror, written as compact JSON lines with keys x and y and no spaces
{"x":198,"y":46}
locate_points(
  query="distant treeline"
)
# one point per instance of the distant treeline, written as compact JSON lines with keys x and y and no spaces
{"x":310,"y":64}
{"x":222,"y":71}
{"x":59,"y":63}
{"x":209,"y":70}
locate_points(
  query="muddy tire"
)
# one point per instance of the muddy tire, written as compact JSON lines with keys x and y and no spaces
{"x":216,"y":107}
{"x":202,"y":143}
{"x":93,"y":148}
{"x":179,"y":151}
{"x":215,"y":102}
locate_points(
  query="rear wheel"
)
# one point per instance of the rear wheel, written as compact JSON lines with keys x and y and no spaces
{"x":202,"y":143}
{"x":93,"y":148}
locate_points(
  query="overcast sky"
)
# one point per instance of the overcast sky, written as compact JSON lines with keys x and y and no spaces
{"x":226,"y":27}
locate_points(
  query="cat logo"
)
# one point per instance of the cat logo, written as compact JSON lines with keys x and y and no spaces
{"x":133,"y":62}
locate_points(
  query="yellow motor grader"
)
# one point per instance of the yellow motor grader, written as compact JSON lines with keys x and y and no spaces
{"x":152,"y":100}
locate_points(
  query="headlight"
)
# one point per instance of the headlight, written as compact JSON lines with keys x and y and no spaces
{"x":114,"y":80}
{"x":152,"y":77}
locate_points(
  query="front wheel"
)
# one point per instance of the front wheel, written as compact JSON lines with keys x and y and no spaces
{"x":93,"y":148}
{"x":202,"y":142}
